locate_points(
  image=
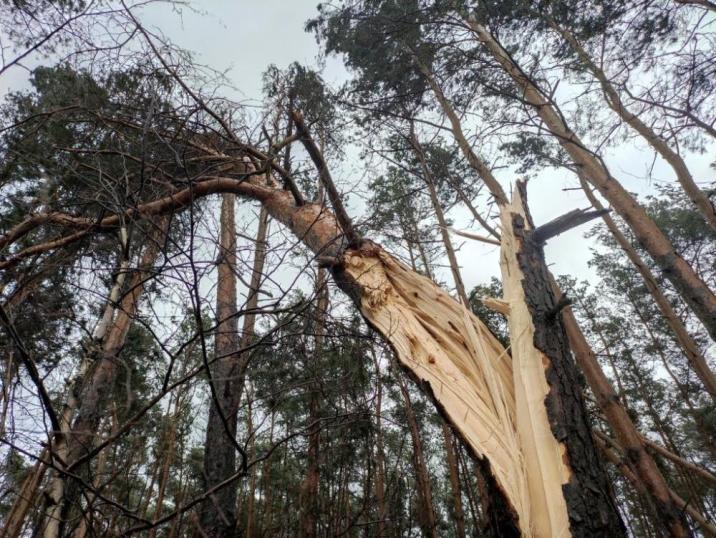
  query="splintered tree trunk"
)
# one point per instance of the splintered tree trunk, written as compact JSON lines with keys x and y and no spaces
{"x":450,"y":448}
{"x":618,"y":418}
{"x":218,"y":518}
{"x":466,"y":371}
{"x":426,"y":511}
{"x":692,"y":288}
{"x":568,"y":488}
{"x":454,"y":356}
{"x":462,"y":295}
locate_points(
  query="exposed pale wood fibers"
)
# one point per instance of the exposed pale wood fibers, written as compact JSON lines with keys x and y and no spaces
{"x":446,"y":346}
{"x":547,"y":471}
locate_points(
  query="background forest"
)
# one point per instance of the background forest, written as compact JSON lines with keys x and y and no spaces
{"x":182,"y":355}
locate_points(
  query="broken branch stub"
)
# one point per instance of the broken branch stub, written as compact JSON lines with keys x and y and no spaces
{"x":563,"y":223}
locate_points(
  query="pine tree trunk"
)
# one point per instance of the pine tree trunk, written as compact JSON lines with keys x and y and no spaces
{"x":694,"y":291}
{"x":232,"y":367}
{"x":251,"y":503}
{"x":88,"y":514}
{"x":88,"y":397}
{"x":442,"y":222}
{"x":568,"y":486}
{"x":426,"y":511}
{"x":613,"y":99}
{"x":691,"y":350}
{"x":379,"y":455}
{"x":451,"y":453}
{"x":647,"y":472}
{"x":167,"y":455}
{"x":25,"y":500}
{"x":308,"y":496}
{"x":218,"y":518}
{"x":60,"y":445}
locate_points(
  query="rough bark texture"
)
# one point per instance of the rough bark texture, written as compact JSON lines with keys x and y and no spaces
{"x":587,"y":493}
{"x":645,"y":468}
{"x":218,"y":517}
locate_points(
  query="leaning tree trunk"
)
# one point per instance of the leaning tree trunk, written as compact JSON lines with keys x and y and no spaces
{"x":647,"y":472}
{"x":697,"y":196}
{"x":94,"y":395}
{"x":692,"y":288}
{"x":470,"y":376}
{"x":60,"y":445}
{"x":25,"y":499}
{"x":696,"y":359}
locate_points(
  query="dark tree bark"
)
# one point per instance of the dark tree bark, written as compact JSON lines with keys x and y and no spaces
{"x":591,"y":507}
{"x":218,"y":518}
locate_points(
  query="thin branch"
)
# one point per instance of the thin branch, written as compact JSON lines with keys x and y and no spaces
{"x":31,"y":368}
